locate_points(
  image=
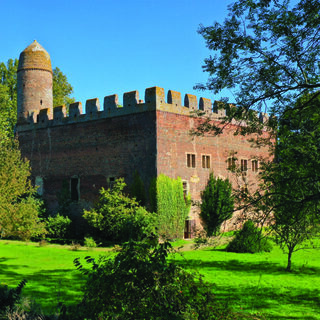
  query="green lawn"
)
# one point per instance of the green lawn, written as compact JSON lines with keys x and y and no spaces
{"x":49,"y":271}
{"x":258,"y":283}
{"x":253,"y":283}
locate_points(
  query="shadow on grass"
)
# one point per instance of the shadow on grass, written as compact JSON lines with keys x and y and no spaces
{"x":286,"y":302}
{"x":53,"y":286}
{"x":265,"y":267}
{"x":282,"y":302}
{"x":47,"y":287}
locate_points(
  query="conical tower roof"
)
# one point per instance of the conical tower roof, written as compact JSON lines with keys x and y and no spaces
{"x":34,"y":57}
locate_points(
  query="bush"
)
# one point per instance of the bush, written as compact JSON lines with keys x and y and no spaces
{"x":172,"y":207}
{"x":249,"y":240}
{"x":117,"y":217}
{"x":217,"y":204}
{"x":57,"y":226}
{"x":89,"y":242}
{"x":140,"y":283}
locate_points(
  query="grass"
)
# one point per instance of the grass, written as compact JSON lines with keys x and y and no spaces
{"x":49,"y":270}
{"x":254,"y":283}
{"x":258,"y":283}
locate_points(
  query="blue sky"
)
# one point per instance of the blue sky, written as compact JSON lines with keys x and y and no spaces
{"x":107,"y":47}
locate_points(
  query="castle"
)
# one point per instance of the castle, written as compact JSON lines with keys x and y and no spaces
{"x":90,"y":149}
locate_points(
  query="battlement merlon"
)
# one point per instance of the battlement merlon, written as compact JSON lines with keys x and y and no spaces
{"x":154,"y":100}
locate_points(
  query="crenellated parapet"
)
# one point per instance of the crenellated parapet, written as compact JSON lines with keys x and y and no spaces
{"x":154,"y":99}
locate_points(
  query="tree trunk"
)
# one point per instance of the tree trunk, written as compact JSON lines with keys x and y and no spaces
{"x":289,"y":260}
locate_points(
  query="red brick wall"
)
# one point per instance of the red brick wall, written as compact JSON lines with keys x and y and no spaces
{"x":92,"y":151}
{"x":174,"y":142}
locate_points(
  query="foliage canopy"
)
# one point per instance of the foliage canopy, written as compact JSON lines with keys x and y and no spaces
{"x":266,"y":52}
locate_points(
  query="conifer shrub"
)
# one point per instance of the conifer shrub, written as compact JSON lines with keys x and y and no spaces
{"x":217,"y":204}
{"x":140,"y":283}
{"x":249,"y":240}
{"x":172,"y":207}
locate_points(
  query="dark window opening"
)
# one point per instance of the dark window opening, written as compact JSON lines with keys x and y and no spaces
{"x":255,"y":165}
{"x":206,"y":162}
{"x":41,"y":102}
{"x":111,"y":182}
{"x":231,"y":163}
{"x":191,"y":160}
{"x":244,"y":167}
{"x":74,"y":186}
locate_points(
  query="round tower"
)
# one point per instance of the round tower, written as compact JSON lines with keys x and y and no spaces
{"x":34,"y":83}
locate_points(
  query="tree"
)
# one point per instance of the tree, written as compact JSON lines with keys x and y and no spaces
{"x":217,"y":204}
{"x":267,"y":53}
{"x":62,"y":89}
{"x":18,"y":207}
{"x":294,"y":178}
{"x":119,"y":217}
{"x":8,"y":96}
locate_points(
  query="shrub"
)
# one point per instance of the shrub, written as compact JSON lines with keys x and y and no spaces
{"x":140,"y":283}
{"x":172,"y":207}
{"x":89,"y":242}
{"x":249,"y":240}
{"x":57,"y":226}
{"x":217,"y":204}
{"x":118,"y":217}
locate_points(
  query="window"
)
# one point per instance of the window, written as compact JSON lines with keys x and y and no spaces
{"x":185,"y":188}
{"x":39,"y":184}
{"x":111,"y":181}
{"x":244,"y":166}
{"x":206,"y":162}
{"x":191,"y":160}
{"x":231,"y":163}
{"x":75,"y":189}
{"x":254,"y":165}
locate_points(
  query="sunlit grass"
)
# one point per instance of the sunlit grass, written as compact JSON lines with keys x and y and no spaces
{"x":254,"y":283}
{"x":258,"y":283}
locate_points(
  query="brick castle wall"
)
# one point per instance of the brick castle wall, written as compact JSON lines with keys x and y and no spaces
{"x":93,"y":151}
